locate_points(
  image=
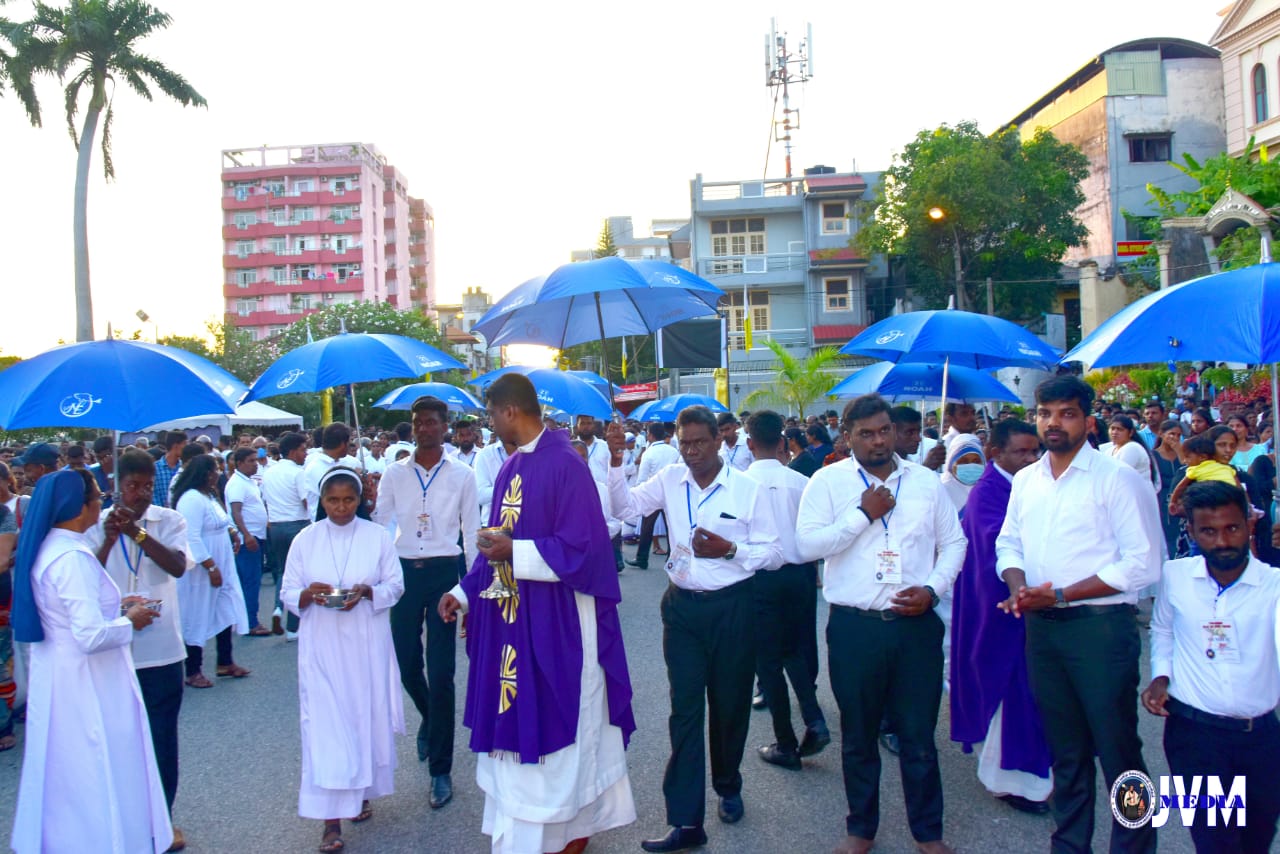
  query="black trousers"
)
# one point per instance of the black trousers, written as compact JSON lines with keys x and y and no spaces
{"x":708,"y":642}
{"x":162,"y":695}
{"x":646,"y":536}
{"x":425,"y":582}
{"x":279,"y":538}
{"x":786,"y":611}
{"x":1197,"y":749}
{"x":1083,"y":668}
{"x":195,"y":654}
{"x":888,"y":668}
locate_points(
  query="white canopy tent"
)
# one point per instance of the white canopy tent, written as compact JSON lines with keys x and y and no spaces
{"x":254,"y":413}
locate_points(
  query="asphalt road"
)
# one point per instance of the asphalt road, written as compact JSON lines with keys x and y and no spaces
{"x":240,"y":767}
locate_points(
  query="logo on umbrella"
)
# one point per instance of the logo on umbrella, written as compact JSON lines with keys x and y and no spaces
{"x":670,"y":279}
{"x":78,"y":404}
{"x":290,"y":378}
{"x":1026,"y":350}
{"x":890,"y":336}
{"x":428,"y":362}
{"x":545,"y":397}
{"x":533,"y":330}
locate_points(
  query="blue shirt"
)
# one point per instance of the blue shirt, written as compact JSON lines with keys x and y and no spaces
{"x":164,"y":476}
{"x":104,"y":483}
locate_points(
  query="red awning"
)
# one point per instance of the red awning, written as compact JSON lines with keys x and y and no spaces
{"x":842,"y":332}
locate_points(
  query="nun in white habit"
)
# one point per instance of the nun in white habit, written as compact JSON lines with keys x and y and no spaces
{"x":348,"y":680}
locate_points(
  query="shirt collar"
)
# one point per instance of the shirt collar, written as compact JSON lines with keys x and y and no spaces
{"x":1083,"y":460}
{"x":899,"y":466}
{"x":722,"y":478}
{"x":1250,"y":576}
{"x":532,"y":446}
{"x":767,"y":463}
{"x":1007,"y":476}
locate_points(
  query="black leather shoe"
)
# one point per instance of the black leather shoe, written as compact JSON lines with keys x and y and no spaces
{"x":758,"y":701}
{"x":1022,"y":804}
{"x":816,"y":737}
{"x":441,"y":791}
{"x":638,"y":564}
{"x":679,"y":839}
{"x":422,"y":742}
{"x":889,"y":742}
{"x":780,"y":756}
{"x":731,"y":809}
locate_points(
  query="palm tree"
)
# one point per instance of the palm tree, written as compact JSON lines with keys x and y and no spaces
{"x":14,"y":76}
{"x":800,"y":382}
{"x":88,"y":44}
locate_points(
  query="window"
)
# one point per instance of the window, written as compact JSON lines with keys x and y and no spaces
{"x":1156,"y":148}
{"x":303,"y":186}
{"x":1140,"y":227}
{"x":304,"y":214}
{"x":834,"y":218}
{"x":275,"y":188}
{"x":738,"y":236}
{"x":759,"y":301}
{"x":341,"y":244}
{"x":342,"y":213}
{"x":304,"y":272}
{"x":837,"y":294}
{"x":244,"y":220}
{"x":278,"y":245}
{"x":345,"y":271}
{"x":304,"y":244}
{"x":1260,"y":112}
{"x":280,"y":275}
{"x":339,"y":186}
{"x":245,"y":278}
{"x":244,"y":248}
{"x":243,"y":191}
{"x":246,"y":307}
{"x":276,"y":216}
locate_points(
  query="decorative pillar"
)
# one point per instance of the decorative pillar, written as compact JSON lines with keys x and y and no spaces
{"x":1162,"y":249}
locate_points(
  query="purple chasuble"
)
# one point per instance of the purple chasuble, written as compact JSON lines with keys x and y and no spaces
{"x":988,"y":646}
{"x":524,"y":684}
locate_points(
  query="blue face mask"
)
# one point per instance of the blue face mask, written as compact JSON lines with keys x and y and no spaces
{"x":969,"y":473}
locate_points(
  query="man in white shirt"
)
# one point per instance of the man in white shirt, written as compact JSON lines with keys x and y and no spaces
{"x":432,"y":499}
{"x":786,"y":604}
{"x":248,"y":513}
{"x":143,"y":547}
{"x":1081,"y":538}
{"x":403,"y":441}
{"x":659,"y":454}
{"x":284,"y":491}
{"x":961,"y":418}
{"x":597,"y":452}
{"x":891,"y":550}
{"x":733,"y":445}
{"x":910,"y":444}
{"x":335,"y":450}
{"x":1215,"y":676}
{"x":721,"y":532}
{"x":489,"y":462}
{"x":464,"y":439}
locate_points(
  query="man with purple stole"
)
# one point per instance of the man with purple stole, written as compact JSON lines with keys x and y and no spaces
{"x":991,"y":699}
{"x":548,"y":695}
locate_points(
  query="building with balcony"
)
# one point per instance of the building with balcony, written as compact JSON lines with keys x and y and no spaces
{"x":658,"y":246}
{"x":314,"y":225}
{"x":456,"y":322}
{"x":1249,"y":41}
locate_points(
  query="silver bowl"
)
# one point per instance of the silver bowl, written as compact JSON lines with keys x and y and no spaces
{"x":337,"y":599}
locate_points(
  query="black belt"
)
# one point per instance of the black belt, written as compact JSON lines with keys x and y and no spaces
{"x":290,"y":522}
{"x":427,"y":562}
{"x":734,"y":589}
{"x":885,"y":616}
{"x":1176,"y":707}
{"x":1075,"y":612}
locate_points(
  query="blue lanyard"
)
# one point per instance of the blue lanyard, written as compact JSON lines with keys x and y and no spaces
{"x":427,"y":485}
{"x":884,"y":520}
{"x":733,"y":452}
{"x":688,"y":501}
{"x":128,"y":561}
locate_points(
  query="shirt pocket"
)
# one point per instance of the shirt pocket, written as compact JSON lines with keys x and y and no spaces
{"x":733,"y":530}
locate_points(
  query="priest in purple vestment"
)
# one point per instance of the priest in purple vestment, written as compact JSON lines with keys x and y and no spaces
{"x":991,"y":699}
{"x":548,"y":694}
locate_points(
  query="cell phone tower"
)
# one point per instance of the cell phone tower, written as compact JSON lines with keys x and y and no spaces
{"x":782,"y":68}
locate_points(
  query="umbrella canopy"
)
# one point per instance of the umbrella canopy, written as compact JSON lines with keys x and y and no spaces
{"x":958,"y":337}
{"x":113,"y":385}
{"x":347,"y":358}
{"x":920,"y":381}
{"x":559,"y":390}
{"x":589,"y":377}
{"x":1225,"y":317}
{"x":458,"y":399}
{"x":666,"y":409}
{"x":597,"y":382}
{"x":595,"y":300}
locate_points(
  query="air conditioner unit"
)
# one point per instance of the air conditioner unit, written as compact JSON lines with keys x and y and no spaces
{"x":324,"y":179}
{"x":755,"y":264}
{"x":752,"y":189}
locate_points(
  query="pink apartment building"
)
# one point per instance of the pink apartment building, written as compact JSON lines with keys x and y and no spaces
{"x":314,"y":225}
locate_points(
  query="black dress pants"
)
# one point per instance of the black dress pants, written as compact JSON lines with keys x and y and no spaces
{"x":1083,"y":667}
{"x":425,"y":582}
{"x":786,"y":612}
{"x":195,"y":654}
{"x":646,"y":537}
{"x":1198,"y":749}
{"x":279,"y":538}
{"x":888,"y":667}
{"x":708,"y":642}
{"x":162,"y":695}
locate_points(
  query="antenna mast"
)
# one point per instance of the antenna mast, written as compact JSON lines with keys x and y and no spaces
{"x":783,"y":68}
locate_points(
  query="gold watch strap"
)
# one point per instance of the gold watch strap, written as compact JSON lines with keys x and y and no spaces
{"x":141,"y":536}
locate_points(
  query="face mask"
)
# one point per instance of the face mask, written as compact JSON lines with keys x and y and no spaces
{"x":969,"y":473}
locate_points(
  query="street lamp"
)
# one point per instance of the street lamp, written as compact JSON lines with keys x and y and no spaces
{"x":144,"y":317}
{"x":937,"y":214}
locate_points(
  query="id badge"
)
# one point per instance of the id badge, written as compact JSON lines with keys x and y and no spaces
{"x":1220,"y":642}
{"x":888,"y":567}
{"x":424,"y":525}
{"x":679,"y":562}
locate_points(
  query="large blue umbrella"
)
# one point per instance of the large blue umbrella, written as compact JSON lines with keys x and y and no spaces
{"x":666,"y":409}
{"x":589,"y":377}
{"x":952,"y":337}
{"x":458,"y":399}
{"x":919,"y":381}
{"x":559,"y":390}
{"x":113,"y":385}
{"x":595,"y":300}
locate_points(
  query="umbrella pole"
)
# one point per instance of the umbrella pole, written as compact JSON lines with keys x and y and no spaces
{"x":604,"y":357}
{"x":942,"y":410}
{"x":355,"y":416}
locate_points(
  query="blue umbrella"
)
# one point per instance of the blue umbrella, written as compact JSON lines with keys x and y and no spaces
{"x":666,"y":409}
{"x":559,"y":390}
{"x":113,"y":385}
{"x":458,"y":399}
{"x":919,"y":381}
{"x":952,"y":337}
{"x":597,"y":382}
{"x":595,"y":300}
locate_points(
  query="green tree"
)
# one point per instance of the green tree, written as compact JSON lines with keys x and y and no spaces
{"x":191,"y":344}
{"x":236,"y":352}
{"x":14,"y":75}
{"x":1008,"y":206}
{"x":88,"y":44}
{"x":605,"y":247}
{"x":800,"y":382}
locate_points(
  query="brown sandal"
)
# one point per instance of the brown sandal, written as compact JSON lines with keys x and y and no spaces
{"x":332,"y":838}
{"x":366,"y":813}
{"x":234,"y":670}
{"x":199,"y":681}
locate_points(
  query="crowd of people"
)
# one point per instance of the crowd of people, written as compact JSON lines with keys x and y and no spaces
{"x":995,"y":563}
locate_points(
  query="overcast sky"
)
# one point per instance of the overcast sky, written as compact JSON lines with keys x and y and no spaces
{"x":522,"y":125}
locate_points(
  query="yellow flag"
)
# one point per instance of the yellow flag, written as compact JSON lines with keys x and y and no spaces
{"x":624,"y":357}
{"x":746,"y":328}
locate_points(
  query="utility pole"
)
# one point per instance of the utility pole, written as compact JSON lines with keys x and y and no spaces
{"x":781,"y":69}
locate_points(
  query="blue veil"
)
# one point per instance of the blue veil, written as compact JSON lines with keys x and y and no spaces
{"x":59,"y":497}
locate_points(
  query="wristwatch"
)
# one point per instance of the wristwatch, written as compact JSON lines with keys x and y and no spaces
{"x":1060,"y":597}
{"x":141,"y":536}
{"x":732,"y":553}
{"x":934,"y":598}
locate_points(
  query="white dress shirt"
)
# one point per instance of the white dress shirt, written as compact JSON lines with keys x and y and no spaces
{"x":598,"y":460}
{"x":1098,"y":518}
{"x":253,"y":510}
{"x":1188,"y":600}
{"x":489,"y":462}
{"x":656,"y":457}
{"x":467,"y":458}
{"x":782,"y":488}
{"x":739,"y":455}
{"x":732,"y":506}
{"x":926,"y":445}
{"x":923,"y":529}
{"x":315,"y":470}
{"x":284,"y":489}
{"x":446,"y":494}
